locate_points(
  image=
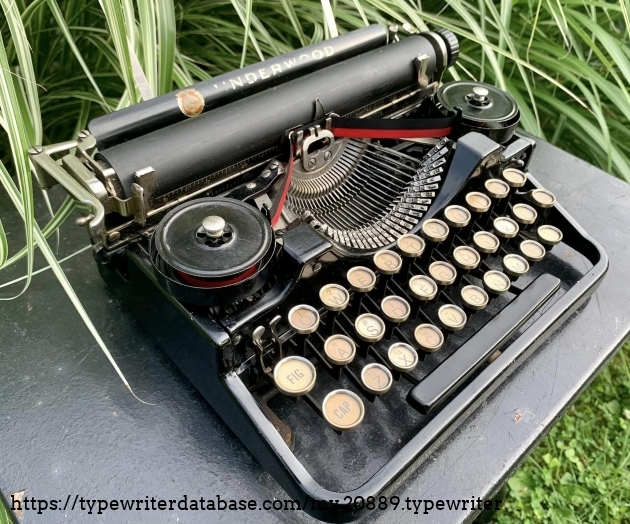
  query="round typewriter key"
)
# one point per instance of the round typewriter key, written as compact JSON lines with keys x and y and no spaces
{"x":361,"y":279}
{"x":542,"y":198}
{"x":524,"y":214}
{"x":410,"y":245}
{"x":343,"y":409}
{"x":514,"y":177}
{"x":496,"y":188}
{"x":294,"y":376}
{"x":402,"y":357}
{"x":452,"y":318}
{"x":428,"y":337}
{"x":456,"y":216}
{"x":303,"y":319}
{"x":549,"y":235}
{"x":474,"y":298}
{"x":485,"y":242}
{"x":532,"y":251}
{"x":505,"y":227}
{"x":443,"y":273}
{"x":515,"y":265}
{"x":369,"y":328}
{"x":478,"y":202}
{"x":423,"y":288}
{"x":496,"y":282}
{"x":340,"y":350}
{"x":376,"y":378}
{"x":434,"y":230}
{"x":395,"y":309}
{"x":466,"y":258}
{"x":387,"y":262}
{"x":334,"y":297}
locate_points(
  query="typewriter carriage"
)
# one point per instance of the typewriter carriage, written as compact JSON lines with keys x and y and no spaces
{"x":127,"y":193}
{"x":214,"y":334}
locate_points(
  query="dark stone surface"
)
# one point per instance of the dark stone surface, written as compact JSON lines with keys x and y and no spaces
{"x":68,"y":426}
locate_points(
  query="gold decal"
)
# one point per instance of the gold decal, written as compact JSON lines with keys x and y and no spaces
{"x":190,"y":102}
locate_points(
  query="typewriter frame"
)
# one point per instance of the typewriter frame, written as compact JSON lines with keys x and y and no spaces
{"x":202,"y":350}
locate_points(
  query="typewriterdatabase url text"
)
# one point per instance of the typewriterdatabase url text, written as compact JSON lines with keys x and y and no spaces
{"x":217,"y":503}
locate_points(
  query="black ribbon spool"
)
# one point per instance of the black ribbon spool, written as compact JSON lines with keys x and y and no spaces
{"x":482,"y":108}
{"x":206,"y":270}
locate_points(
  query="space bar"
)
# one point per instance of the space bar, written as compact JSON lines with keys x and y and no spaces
{"x":445,"y":378}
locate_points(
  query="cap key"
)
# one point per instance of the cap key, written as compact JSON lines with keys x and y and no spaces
{"x":343,"y":409}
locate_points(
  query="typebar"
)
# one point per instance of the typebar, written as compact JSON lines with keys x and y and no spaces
{"x":444,"y":379}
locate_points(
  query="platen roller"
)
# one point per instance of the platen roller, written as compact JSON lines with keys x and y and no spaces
{"x":165,"y":110}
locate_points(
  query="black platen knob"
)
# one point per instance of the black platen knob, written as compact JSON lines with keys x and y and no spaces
{"x":452,"y":45}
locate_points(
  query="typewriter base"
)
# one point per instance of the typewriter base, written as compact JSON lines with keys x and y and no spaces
{"x":180,"y":446}
{"x":194,"y":343}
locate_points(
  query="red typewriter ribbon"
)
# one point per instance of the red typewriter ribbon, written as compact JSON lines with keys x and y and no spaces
{"x":391,"y":128}
{"x":276,"y":210}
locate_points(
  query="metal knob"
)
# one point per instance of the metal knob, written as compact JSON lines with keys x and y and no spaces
{"x":480,"y":94}
{"x":213,"y":226}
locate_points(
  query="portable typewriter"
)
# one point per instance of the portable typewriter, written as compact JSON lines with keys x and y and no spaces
{"x":343,"y":255}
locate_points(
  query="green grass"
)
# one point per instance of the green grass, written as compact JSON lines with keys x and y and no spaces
{"x":4,"y":514}
{"x":580,"y":473}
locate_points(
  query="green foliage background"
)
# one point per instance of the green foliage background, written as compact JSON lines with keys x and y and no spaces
{"x":532,"y":48}
{"x":4,"y":515}
{"x":567,"y":62}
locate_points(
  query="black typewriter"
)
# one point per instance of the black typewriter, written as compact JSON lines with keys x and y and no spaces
{"x":343,"y":255}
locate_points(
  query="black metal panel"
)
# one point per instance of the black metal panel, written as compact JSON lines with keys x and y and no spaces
{"x":473,"y":150}
{"x":305,"y":244}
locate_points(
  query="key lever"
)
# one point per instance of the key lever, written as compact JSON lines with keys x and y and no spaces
{"x":257,"y":339}
{"x":275,"y":336}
